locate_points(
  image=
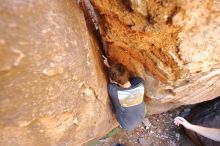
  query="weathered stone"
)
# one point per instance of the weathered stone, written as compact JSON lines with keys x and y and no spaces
{"x":147,"y":123}
{"x":177,"y":136}
{"x":143,"y":141}
{"x":52,"y":85}
{"x":173,"y":45}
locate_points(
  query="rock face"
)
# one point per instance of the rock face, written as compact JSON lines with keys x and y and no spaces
{"x":173,"y":45}
{"x":52,"y":85}
{"x":52,"y":82}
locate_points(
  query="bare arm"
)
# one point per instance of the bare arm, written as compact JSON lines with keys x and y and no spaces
{"x":212,"y":133}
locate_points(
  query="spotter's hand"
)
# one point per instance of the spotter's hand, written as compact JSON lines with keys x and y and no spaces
{"x":181,"y":121}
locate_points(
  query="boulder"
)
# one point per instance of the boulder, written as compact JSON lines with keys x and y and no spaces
{"x":52,"y":82}
{"x":173,"y":45}
{"x":52,"y":79}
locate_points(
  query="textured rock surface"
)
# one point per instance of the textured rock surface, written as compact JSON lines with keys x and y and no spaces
{"x":52,"y":88}
{"x":174,"y":45}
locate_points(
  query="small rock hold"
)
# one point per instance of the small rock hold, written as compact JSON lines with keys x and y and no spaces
{"x":49,"y":72}
{"x":20,"y":55}
{"x":52,"y":64}
{"x":23,"y":123}
{"x":88,"y":92}
{"x":45,"y":30}
{"x":74,"y":78}
{"x":75,"y":121}
{"x":52,"y":72}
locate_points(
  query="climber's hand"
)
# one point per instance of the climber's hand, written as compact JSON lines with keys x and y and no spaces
{"x":105,"y":60}
{"x":181,"y":121}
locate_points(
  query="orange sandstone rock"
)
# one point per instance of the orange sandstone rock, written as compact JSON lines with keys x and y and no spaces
{"x":53,"y":87}
{"x":173,"y":45}
{"x":52,"y":84}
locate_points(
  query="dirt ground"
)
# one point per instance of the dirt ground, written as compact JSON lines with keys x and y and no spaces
{"x":157,"y":130}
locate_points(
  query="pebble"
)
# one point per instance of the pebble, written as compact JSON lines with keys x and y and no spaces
{"x":143,"y":141}
{"x":159,"y":131}
{"x":146,"y":123}
{"x":187,"y":110}
{"x":177,"y":136}
{"x":105,"y":140}
{"x":177,"y":112}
